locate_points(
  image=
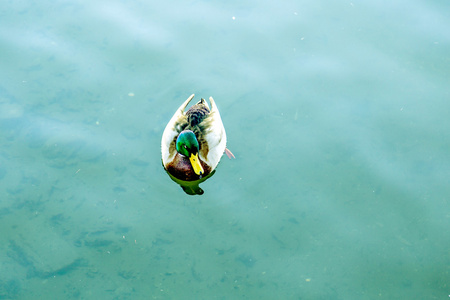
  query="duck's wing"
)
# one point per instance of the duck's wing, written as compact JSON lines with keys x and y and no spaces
{"x":173,"y":128}
{"x":214,"y":135}
{"x":197,"y":113}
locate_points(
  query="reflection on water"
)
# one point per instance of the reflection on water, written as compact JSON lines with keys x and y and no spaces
{"x":192,"y":187}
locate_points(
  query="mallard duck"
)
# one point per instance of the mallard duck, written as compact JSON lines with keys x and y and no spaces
{"x":193,"y":141}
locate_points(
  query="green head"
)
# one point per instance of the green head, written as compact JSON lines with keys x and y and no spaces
{"x":187,"y":145}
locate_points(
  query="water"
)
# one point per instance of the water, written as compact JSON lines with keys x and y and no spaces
{"x":337,"y":114}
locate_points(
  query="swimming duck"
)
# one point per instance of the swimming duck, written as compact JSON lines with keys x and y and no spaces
{"x":194,"y":141}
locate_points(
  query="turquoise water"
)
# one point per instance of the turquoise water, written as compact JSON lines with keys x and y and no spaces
{"x":337,"y":113}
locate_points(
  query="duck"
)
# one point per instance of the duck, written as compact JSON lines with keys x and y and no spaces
{"x":194,"y":141}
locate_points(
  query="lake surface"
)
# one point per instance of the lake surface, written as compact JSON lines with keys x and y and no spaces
{"x":337,"y":113}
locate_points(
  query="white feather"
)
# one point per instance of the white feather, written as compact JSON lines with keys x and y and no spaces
{"x":215,"y":136}
{"x":170,"y":132}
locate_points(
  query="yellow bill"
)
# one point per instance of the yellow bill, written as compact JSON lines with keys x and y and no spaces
{"x":195,"y":162}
